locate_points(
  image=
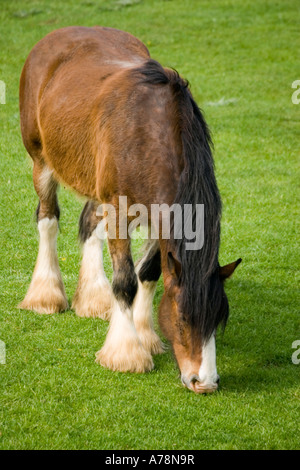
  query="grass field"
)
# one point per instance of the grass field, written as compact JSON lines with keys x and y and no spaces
{"x":241,"y":58}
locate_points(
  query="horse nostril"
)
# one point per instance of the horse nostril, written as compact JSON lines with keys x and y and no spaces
{"x":189,"y":382}
{"x":195,"y":379}
{"x":218,"y":380}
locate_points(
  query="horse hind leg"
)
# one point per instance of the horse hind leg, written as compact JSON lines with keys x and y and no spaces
{"x":93,"y":294}
{"x":148,"y":271}
{"x":46,"y":293}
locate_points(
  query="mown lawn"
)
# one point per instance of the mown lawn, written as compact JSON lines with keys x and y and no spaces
{"x":241,"y":58}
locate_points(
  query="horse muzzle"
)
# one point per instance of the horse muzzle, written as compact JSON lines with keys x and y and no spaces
{"x":193,"y":383}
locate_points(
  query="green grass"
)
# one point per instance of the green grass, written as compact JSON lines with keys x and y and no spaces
{"x":241,"y":58}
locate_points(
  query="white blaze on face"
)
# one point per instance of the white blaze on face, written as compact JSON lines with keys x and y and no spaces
{"x":208,"y":369}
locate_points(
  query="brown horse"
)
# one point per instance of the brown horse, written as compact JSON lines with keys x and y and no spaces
{"x":100,"y":116}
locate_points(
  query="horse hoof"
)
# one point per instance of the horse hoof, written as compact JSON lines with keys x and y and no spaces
{"x":117,"y":361}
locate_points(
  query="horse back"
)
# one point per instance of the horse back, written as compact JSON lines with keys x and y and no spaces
{"x":86,"y":115}
{"x":57,"y":49}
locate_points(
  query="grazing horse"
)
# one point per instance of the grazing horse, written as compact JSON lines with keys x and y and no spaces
{"x":101,"y":117}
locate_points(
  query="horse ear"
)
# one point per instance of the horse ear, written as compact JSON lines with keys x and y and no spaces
{"x":226,"y":271}
{"x":174,"y":265}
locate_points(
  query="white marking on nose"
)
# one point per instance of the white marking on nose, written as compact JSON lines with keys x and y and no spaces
{"x":208,"y":369}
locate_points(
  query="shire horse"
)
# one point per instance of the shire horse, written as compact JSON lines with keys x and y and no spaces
{"x":101,"y":117}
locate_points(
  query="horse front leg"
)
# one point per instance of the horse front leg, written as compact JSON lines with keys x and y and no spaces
{"x":123,"y":350}
{"x":148,"y":271}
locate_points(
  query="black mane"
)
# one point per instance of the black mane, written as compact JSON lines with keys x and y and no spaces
{"x":203,"y":302}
